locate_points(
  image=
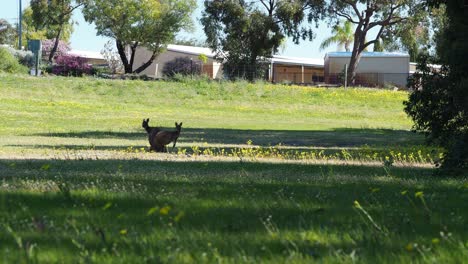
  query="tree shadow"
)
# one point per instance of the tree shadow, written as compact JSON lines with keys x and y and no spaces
{"x":225,"y":201}
{"x":339,"y":137}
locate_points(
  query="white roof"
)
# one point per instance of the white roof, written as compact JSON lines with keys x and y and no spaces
{"x":297,"y":61}
{"x":276,"y":59}
{"x":191,"y":50}
{"x":86,"y":54}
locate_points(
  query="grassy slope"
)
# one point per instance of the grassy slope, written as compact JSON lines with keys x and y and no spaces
{"x":61,"y":104}
{"x":124,"y":208}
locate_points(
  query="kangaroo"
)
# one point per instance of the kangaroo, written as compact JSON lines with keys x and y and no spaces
{"x":151,"y":131}
{"x":163,"y":138}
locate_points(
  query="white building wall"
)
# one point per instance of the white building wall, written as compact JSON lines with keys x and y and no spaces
{"x":371,"y":64}
{"x":155,"y":70}
{"x":382,"y":69}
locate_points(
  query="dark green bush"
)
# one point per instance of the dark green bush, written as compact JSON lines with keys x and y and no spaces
{"x":439,"y":103}
{"x":183,"y":66}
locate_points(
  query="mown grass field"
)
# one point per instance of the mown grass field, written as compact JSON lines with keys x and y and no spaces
{"x":261,"y":174}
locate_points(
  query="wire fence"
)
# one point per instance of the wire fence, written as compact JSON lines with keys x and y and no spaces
{"x":290,"y":74}
{"x":399,"y":80}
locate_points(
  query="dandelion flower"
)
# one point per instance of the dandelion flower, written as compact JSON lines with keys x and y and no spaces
{"x":435,"y":241}
{"x":409,"y":247}
{"x":123,"y":232}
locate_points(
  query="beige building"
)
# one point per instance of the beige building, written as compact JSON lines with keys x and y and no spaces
{"x":92,"y":57}
{"x":296,"y":70}
{"x":282,"y":68}
{"x":211,"y":68}
{"x":374,"y":68}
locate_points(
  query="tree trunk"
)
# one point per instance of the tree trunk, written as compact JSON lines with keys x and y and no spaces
{"x":359,"y":38}
{"x":146,"y":64}
{"x":123,"y":56}
{"x":352,"y":67}
{"x":54,"y":48}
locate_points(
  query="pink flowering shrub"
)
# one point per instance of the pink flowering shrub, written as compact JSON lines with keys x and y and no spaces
{"x":62,"y":49}
{"x":68,"y":65}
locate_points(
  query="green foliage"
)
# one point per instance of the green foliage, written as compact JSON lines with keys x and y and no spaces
{"x":420,"y":31}
{"x":378,"y":15}
{"x":54,"y":16}
{"x":439,"y":105}
{"x":243,"y":31}
{"x":194,"y":42}
{"x":9,"y":63}
{"x":182,"y":66}
{"x":134,"y":23}
{"x":24,"y":57}
{"x":342,"y":35}
{"x":7,"y":33}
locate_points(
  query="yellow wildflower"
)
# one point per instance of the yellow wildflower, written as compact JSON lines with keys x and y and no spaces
{"x":409,"y":247}
{"x":165,"y":210}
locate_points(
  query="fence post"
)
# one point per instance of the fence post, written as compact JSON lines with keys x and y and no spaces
{"x":346,"y":76}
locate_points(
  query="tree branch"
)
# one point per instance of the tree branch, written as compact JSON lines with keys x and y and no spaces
{"x":146,"y":64}
{"x":347,"y":16}
{"x":354,"y":6}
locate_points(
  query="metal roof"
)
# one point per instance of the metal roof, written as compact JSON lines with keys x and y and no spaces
{"x":276,"y":59}
{"x":297,"y":61}
{"x":191,"y":50}
{"x":368,"y":54}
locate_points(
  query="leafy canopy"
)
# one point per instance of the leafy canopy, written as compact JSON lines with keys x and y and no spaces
{"x":243,"y":31}
{"x":134,"y":23}
{"x":341,"y":35}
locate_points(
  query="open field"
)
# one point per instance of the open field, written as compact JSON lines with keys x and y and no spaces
{"x":261,"y":173}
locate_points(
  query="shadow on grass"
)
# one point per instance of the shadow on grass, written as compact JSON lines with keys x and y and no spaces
{"x":339,"y":137}
{"x":239,"y":207}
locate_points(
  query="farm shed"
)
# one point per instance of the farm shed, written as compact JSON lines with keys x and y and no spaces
{"x":374,"y":68}
{"x":212,"y":68}
{"x":296,"y":70}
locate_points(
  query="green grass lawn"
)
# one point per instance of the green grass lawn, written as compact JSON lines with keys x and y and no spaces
{"x":261,"y":173}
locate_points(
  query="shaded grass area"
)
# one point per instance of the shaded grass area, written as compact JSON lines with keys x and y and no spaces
{"x":337,"y":137}
{"x":339,"y":144}
{"x":118,"y":211}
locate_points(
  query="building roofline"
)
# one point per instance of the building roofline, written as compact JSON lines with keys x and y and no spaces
{"x":344,"y":54}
